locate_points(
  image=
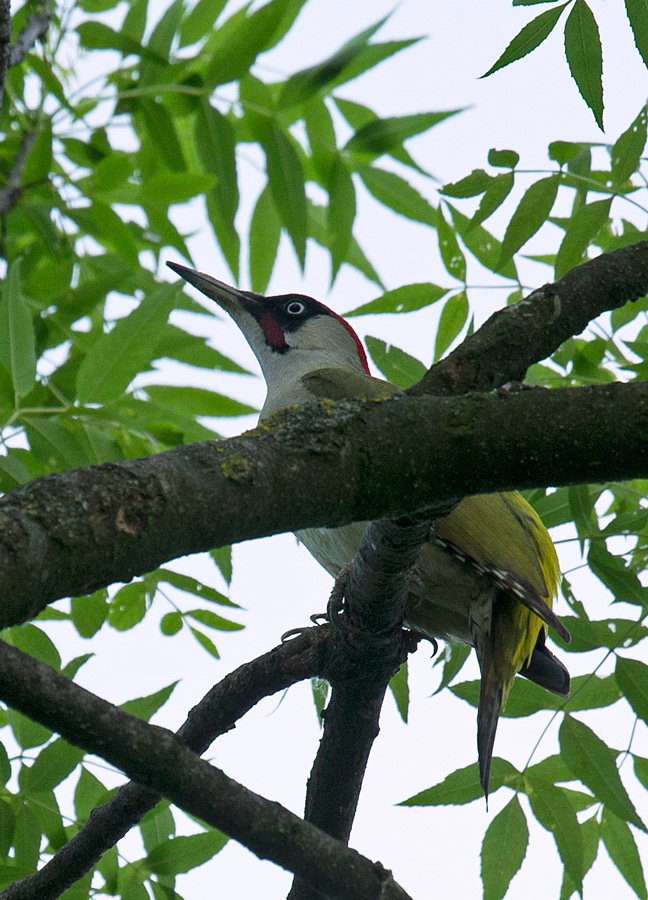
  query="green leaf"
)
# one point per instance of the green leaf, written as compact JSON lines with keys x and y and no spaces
{"x":564,"y":152}
{"x":382,"y":135}
{"x":216,"y":144}
{"x":222,"y":556}
{"x":341,"y":212}
{"x":451,"y":253}
{"x":33,"y":640}
{"x":318,"y":230}
{"x":395,"y":193}
{"x":146,"y":707}
{"x":593,"y":763}
{"x":236,"y":43}
{"x":620,"y":579}
{"x":128,"y":606}
{"x":451,"y":322}
{"x":114,"y":233}
{"x":555,"y":813}
{"x":52,"y":766}
{"x":287,"y":185}
{"x":470,"y":186}
{"x":581,"y":231}
{"x":481,"y":243}
{"x":462,"y":786}
{"x":200,"y":21}
{"x":308,"y":82}
{"x":169,"y":188}
{"x":397,"y":366}
{"x":632,"y":677}
{"x":171,"y":623}
{"x":89,"y":613}
{"x":7,"y":827}
{"x":265,"y":232}
{"x":507,"y":159}
{"x":157,"y":825}
{"x":620,"y":844}
{"x":585,"y":58}
{"x":97,"y":36}
{"x":70,"y":669}
{"x":402,"y":300}
{"x":175,"y":343}
{"x":17,"y":352}
{"x":27,"y":838}
{"x":205,"y":642}
{"x":162,"y":133}
{"x":197,"y":401}
{"x":400,"y":690}
{"x":211,"y":620}
{"x":191,"y":586}
{"x":587,"y":692}
{"x":28,"y":734}
{"x":503,"y":849}
{"x":532,"y":212}
{"x":638,"y":15}
{"x":496,"y":193}
{"x":181,"y":854}
{"x":89,"y":793}
{"x":117,"y":357}
{"x":452,"y":660}
{"x":627,"y":150}
{"x":530,"y":37}
{"x":5,"y":766}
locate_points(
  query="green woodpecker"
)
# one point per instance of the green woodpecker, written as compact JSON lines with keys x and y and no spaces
{"x":489,"y":573}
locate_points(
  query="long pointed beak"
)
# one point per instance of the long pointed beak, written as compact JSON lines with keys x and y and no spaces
{"x":228,"y":298}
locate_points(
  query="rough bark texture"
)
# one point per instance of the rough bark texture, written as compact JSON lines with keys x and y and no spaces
{"x":370,"y":645}
{"x":155,"y":758}
{"x":217,"y":713}
{"x":517,"y":336}
{"x":67,"y":535}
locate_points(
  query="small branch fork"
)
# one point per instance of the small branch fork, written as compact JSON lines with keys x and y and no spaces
{"x":163,"y":765}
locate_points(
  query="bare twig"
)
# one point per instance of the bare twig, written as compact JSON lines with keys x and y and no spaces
{"x":35,"y":29}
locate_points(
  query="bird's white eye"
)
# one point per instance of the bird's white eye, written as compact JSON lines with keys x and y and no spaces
{"x":295,"y":308}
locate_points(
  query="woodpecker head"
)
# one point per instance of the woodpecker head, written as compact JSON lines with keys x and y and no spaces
{"x":290,"y":334}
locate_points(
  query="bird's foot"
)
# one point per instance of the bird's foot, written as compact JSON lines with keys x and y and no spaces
{"x":317,"y":619}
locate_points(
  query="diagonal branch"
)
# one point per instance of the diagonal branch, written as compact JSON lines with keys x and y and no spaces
{"x":216,"y":714}
{"x":35,"y":28}
{"x":518,"y":336}
{"x":66,"y":535}
{"x":155,"y":758}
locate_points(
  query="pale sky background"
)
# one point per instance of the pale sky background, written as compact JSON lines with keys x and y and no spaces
{"x":433,"y":852}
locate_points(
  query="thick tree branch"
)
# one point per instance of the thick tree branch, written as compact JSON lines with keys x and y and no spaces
{"x":158,"y":760}
{"x":69,"y":534}
{"x":370,"y":645}
{"x":217,"y":713}
{"x":516,"y":337}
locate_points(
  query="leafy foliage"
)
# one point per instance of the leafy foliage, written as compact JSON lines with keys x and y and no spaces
{"x":88,"y":331}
